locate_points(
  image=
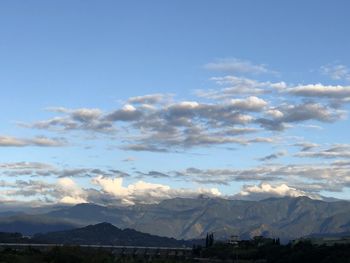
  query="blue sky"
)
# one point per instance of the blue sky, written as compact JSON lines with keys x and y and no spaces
{"x":135,"y":101}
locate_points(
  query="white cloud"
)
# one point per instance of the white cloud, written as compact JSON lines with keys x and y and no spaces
{"x":70,"y":191}
{"x":274,"y":113}
{"x":321,"y":91}
{"x":237,"y":66}
{"x":150,"y":99}
{"x":336,"y":71}
{"x":145,"y":192}
{"x":86,"y":115}
{"x":265,"y":190}
{"x":72,"y":200}
{"x":235,"y":86}
{"x":41,"y":141}
{"x":251,"y":103}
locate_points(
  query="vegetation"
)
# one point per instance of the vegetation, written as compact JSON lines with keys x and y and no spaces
{"x":258,"y":249}
{"x":56,"y":255}
{"x":248,"y":251}
{"x":69,"y":254}
{"x":270,"y":251}
{"x":209,"y":241}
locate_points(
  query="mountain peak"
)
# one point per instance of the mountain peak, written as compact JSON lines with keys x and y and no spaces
{"x":104,"y":225}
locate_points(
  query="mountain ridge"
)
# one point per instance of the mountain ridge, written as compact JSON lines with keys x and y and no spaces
{"x":190,"y":218}
{"x":107,"y":234}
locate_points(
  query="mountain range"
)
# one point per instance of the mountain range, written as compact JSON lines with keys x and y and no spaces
{"x":184,"y":218}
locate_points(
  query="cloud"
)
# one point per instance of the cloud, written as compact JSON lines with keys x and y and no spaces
{"x":40,"y":141}
{"x":127,"y":113}
{"x":321,"y":91}
{"x":265,"y":190}
{"x":144,"y":192}
{"x":149,"y":99}
{"x":84,"y":119}
{"x":25,"y":165}
{"x":306,"y":146}
{"x":70,"y":192}
{"x":28,"y":188}
{"x":336,"y":71}
{"x":335,"y":151}
{"x":332,"y":177}
{"x":237,"y":66}
{"x":143,"y":148}
{"x":251,"y":103}
{"x":341,"y":163}
{"x":154,"y":174}
{"x":86,"y":115}
{"x":300,"y":113}
{"x":35,"y":169}
{"x":109,"y":187}
{"x":273,"y":156}
{"x":243,"y":112}
{"x":65,"y":190}
{"x":225,"y":176}
{"x":235,"y":85}
{"x":181,"y":125}
{"x":186,"y":124}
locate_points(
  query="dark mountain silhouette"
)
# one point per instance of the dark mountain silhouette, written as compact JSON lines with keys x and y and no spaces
{"x":107,"y":234}
{"x":12,"y":238}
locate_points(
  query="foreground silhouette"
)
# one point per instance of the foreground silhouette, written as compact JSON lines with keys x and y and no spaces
{"x":249,"y":252}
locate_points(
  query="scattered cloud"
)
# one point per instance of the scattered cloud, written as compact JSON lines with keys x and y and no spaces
{"x":35,"y":169}
{"x":68,"y":192}
{"x":241,"y":111}
{"x":140,"y":192}
{"x":127,"y":113}
{"x":74,"y":119}
{"x":306,"y":146}
{"x":179,"y":125}
{"x":40,"y":141}
{"x":150,"y":99}
{"x":336,"y":71}
{"x":297,"y":113}
{"x":335,"y":151}
{"x":237,"y":85}
{"x":108,"y":185}
{"x":234,"y":65}
{"x":273,"y":156}
{"x":321,"y":91}
{"x":265,"y":190}
{"x":129,"y":159}
{"x":113,"y":191}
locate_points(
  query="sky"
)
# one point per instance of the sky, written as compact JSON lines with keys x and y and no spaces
{"x":131,"y":102}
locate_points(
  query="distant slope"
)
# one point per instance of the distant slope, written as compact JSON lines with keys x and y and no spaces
{"x":107,"y":234}
{"x":32,"y":224}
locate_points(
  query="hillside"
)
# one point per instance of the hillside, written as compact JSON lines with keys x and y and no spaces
{"x":32,"y":224}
